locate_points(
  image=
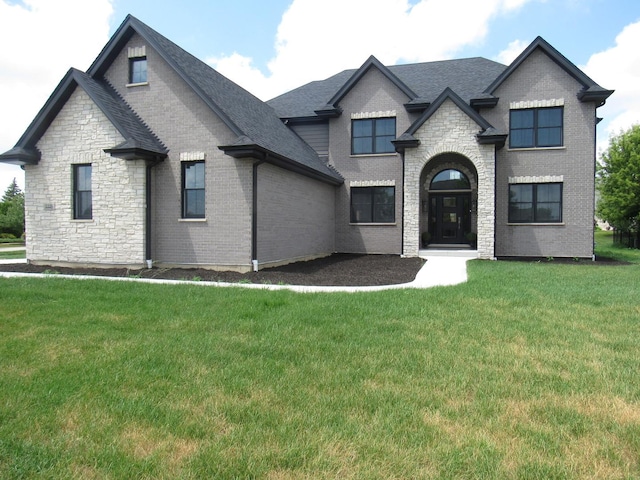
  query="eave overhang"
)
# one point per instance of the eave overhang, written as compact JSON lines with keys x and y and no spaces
{"x":595,"y":94}
{"x":416,"y":107}
{"x":485,"y":102}
{"x":329,"y":111}
{"x":130,"y":150}
{"x":492,"y":137}
{"x":252,"y":150}
{"x":405,"y":141}
{"x":21,"y":156}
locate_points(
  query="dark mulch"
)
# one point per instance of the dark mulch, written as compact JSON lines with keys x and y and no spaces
{"x":337,"y":269}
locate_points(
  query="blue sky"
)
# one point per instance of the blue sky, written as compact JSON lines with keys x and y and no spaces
{"x":272,"y":46}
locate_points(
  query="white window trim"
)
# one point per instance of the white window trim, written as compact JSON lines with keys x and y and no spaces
{"x":364,"y":115}
{"x":553,"y":102}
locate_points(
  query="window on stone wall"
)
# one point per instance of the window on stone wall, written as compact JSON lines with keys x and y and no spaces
{"x":138,"y":70}
{"x":536,"y":127}
{"x":373,"y":204}
{"x":193,"y":189}
{"x":373,"y":135}
{"x":82,"y":196}
{"x":535,"y":203}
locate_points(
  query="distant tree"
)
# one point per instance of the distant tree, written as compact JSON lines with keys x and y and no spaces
{"x":619,"y":182}
{"x":12,"y":211}
{"x":11,"y":192}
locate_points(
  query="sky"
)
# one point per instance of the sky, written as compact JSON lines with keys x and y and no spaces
{"x":270,"y":47}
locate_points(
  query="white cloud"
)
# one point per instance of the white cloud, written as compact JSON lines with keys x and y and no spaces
{"x":618,"y":68}
{"x":317,"y":39}
{"x":41,"y":40}
{"x":510,"y":53}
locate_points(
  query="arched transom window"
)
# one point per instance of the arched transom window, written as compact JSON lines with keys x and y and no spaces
{"x":450,"y":180}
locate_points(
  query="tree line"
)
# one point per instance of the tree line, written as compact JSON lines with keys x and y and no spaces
{"x":618,"y":182}
{"x":12,"y":212}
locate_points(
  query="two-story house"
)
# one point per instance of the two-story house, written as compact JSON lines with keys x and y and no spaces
{"x":151,"y":155}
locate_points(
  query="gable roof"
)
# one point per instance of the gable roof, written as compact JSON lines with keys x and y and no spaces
{"x":138,"y":138}
{"x":591,"y":91}
{"x":260,"y":132}
{"x":488,"y":134}
{"x":332,"y":108}
{"x":467,"y":77}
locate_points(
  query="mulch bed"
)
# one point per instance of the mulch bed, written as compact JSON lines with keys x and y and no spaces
{"x":335,"y":270}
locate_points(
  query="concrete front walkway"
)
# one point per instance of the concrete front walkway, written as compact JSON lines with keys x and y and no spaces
{"x":440,"y":269}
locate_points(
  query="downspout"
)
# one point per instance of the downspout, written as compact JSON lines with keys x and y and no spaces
{"x":148,"y":217}
{"x":254,"y":216}
{"x":495,"y":202}
{"x":402,"y":207}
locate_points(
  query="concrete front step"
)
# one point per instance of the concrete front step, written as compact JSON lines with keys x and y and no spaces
{"x":448,"y":252}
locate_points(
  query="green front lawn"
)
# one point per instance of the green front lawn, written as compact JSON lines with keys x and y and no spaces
{"x":529,"y":370}
{"x":11,"y":255}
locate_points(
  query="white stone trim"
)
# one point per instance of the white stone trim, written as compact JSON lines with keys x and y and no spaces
{"x":137,"y":52}
{"x":538,"y":179}
{"x":385,"y":114}
{"x":372,"y":183}
{"x":192,"y":156}
{"x":553,"y":102}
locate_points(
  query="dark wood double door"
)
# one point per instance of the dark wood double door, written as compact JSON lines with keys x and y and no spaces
{"x":450,"y":217}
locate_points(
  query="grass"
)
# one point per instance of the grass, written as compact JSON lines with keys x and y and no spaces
{"x":606,"y":248}
{"x":527,"y":371}
{"x":11,"y":255}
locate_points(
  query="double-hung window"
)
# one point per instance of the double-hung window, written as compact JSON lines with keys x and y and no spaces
{"x":373,"y":204}
{"x":193,"y":189}
{"x":373,"y":135}
{"x":82,"y":197}
{"x":138,"y":70}
{"x":535,"y":203}
{"x":536,"y":127}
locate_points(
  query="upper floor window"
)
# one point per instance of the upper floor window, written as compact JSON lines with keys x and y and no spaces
{"x":536,"y":127}
{"x":82,"y":197}
{"x":535,"y":203}
{"x":138,"y":70}
{"x":373,"y":135}
{"x":193,"y":189}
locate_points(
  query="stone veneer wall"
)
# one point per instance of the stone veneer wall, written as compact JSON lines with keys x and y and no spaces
{"x":115,"y":235}
{"x":450,"y":130}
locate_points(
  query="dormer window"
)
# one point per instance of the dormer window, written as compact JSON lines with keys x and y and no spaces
{"x":137,"y":65}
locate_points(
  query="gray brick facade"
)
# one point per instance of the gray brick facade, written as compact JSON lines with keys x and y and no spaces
{"x":374,"y":93}
{"x":541,"y":79}
{"x":296,"y":217}
{"x":268,"y":197}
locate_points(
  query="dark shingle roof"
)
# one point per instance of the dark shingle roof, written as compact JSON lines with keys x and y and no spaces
{"x":253,"y":121}
{"x":136,"y":134}
{"x":468,"y":78}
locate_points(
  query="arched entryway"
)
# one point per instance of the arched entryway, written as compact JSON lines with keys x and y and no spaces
{"x":448,"y":202}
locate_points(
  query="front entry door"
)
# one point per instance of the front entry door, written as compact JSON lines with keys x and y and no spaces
{"x":450,"y":217}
